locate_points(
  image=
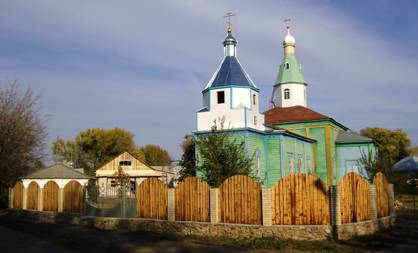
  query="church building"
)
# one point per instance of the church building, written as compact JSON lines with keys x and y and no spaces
{"x":289,"y":137}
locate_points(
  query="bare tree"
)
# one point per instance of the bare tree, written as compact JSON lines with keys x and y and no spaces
{"x":22,"y":132}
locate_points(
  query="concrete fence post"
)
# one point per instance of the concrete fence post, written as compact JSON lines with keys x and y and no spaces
{"x":25,"y":198}
{"x":171,"y":208}
{"x":11,"y":197}
{"x":60,"y":199}
{"x":40,"y":199}
{"x":335,"y":206}
{"x":214,"y":205}
{"x":373,"y":202}
{"x":391,"y":199}
{"x":266,"y":206}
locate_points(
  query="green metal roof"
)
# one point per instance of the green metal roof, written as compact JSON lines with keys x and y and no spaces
{"x":293,"y":74}
{"x":345,"y":137}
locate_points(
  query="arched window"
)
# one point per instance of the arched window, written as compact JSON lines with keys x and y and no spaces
{"x":287,"y":65}
{"x":254,"y":99}
{"x":286,"y":94}
{"x":258,"y":165}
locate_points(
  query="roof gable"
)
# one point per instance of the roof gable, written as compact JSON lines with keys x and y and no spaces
{"x":133,"y":168}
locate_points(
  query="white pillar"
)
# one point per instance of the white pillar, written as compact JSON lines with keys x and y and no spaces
{"x":214,"y":205}
{"x":373,"y":204}
{"x":171,"y":205}
{"x":266,"y":206}
{"x":25,"y":198}
{"x":40,"y":199}
{"x":60,"y":199}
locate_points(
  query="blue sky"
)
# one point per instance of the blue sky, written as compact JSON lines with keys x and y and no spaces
{"x":141,"y":65}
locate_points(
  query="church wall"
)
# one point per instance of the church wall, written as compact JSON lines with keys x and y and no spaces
{"x":326,"y":156}
{"x":241,"y":97}
{"x":348,"y":156}
{"x":273,"y":161}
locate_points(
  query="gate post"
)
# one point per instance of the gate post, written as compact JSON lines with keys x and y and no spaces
{"x":40,"y":199}
{"x":11,"y":197}
{"x":214,"y":205}
{"x":335,"y":206}
{"x":391,"y":199}
{"x":372,"y":200}
{"x":60,"y":199}
{"x":171,"y":212}
{"x":266,"y":206}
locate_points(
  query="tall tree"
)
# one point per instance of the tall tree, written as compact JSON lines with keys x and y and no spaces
{"x":155,"y":155}
{"x":22,"y":132}
{"x":393,"y":145}
{"x":188,"y":159}
{"x":220,"y":156}
{"x":95,"y":146}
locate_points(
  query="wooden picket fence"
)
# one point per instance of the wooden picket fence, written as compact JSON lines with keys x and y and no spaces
{"x":152,"y":199}
{"x":18,"y":195}
{"x":382,"y":195}
{"x":300,"y":199}
{"x":32,"y":199}
{"x":50,"y":196}
{"x":192,"y":200}
{"x":354,"y":198}
{"x":240,"y":200}
{"x":73,"y":197}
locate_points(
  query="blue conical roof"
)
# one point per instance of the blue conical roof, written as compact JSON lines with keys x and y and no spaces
{"x":230,"y":72}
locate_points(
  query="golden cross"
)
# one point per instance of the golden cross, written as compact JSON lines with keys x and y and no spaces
{"x":228,"y":16}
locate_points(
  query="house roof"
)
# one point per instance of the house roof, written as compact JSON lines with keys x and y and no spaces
{"x":292,"y":114}
{"x":351,"y":137}
{"x":57,"y":171}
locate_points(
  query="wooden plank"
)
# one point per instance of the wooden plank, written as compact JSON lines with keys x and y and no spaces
{"x":300,"y":199}
{"x":354,"y":198}
{"x":152,"y":199}
{"x":32,"y":196}
{"x":192,"y":200}
{"x":50,"y":196}
{"x":240,"y":200}
{"x":18,"y":195}
{"x":73,"y":197}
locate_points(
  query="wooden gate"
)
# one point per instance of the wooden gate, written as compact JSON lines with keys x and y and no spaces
{"x":32,"y":196}
{"x":382,"y":195}
{"x":73,"y":197}
{"x":192,"y":200}
{"x":354,"y":198}
{"x":152,"y":199}
{"x":240,"y":200}
{"x":50,"y":198}
{"x":18,"y":195}
{"x":300,"y":199}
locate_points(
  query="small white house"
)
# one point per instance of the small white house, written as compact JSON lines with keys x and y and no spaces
{"x":135,"y":169}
